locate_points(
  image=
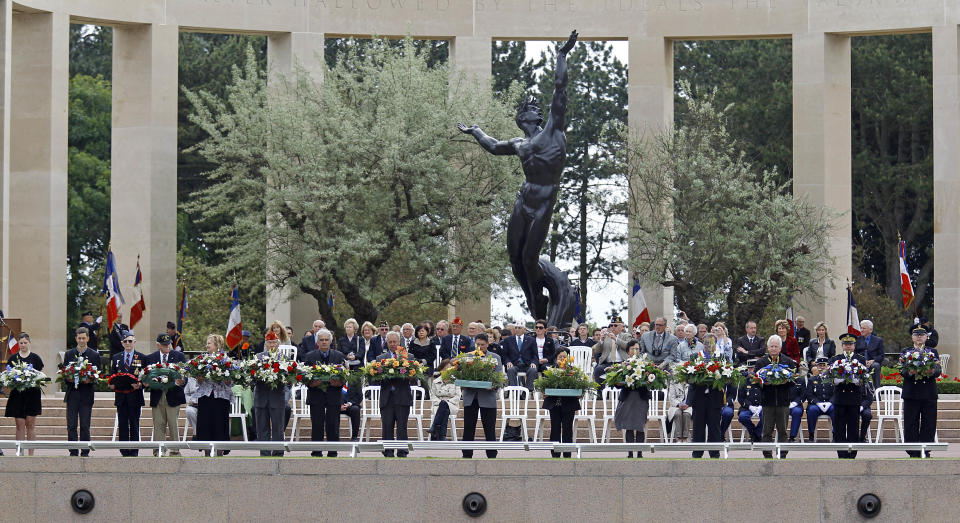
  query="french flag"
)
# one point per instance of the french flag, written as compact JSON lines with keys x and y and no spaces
{"x":139,"y":305}
{"x":111,"y":287}
{"x":853,"y":318}
{"x":13,"y":345}
{"x":234,"y":325}
{"x":639,"y":305}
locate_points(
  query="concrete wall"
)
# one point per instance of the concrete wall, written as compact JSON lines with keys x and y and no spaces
{"x":251,"y":489}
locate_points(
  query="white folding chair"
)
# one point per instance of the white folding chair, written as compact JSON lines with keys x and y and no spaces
{"x":889,"y":407}
{"x":416,"y":411}
{"x":300,"y":409}
{"x":236,"y":411}
{"x":583,"y":359}
{"x":287,"y":352}
{"x":116,"y":426}
{"x":829,"y":420}
{"x":611,"y":396}
{"x":452,"y":420}
{"x":438,"y":359}
{"x":514,"y":402}
{"x":540,"y":414}
{"x":370,"y":409}
{"x":187,"y":426}
{"x":944,"y":359}
{"x":658,"y":411}
{"x":743,"y":430}
{"x":587,"y":413}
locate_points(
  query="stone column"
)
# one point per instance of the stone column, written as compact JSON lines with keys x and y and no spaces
{"x":38,"y":180}
{"x":284,"y":51}
{"x":6,"y":36}
{"x":650,"y":96}
{"x":946,"y":181}
{"x":471,"y":56}
{"x":821,"y":156}
{"x":143,"y":182}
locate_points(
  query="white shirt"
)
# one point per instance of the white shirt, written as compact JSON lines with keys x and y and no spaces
{"x":540,"y":343}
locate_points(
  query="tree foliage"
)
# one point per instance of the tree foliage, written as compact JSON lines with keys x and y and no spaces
{"x":718,"y":230}
{"x":370,"y":190}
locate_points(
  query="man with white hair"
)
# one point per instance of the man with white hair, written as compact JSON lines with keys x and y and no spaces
{"x":870,"y":348}
{"x":309,"y":342}
{"x":658,"y":344}
{"x":407,"y":331}
{"x":688,"y":347}
{"x":775,"y":398}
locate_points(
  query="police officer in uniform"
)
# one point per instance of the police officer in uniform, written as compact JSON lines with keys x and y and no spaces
{"x":920,"y":399}
{"x":846,"y":401}
{"x":819,"y":397}
{"x":750,"y":400}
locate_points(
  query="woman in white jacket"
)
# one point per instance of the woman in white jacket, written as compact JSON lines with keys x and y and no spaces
{"x":446,"y":394}
{"x":678,"y":412}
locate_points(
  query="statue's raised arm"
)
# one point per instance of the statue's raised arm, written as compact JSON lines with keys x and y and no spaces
{"x":558,"y":108}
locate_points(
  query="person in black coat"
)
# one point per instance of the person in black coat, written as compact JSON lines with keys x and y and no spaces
{"x":775,"y":398}
{"x":846,"y":401}
{"x":79,"y":397}
{"x":396,"y":398}
{"x":93,"y":326}
{"x":25,"y":405}
{"x":870,"y":348}
{"x":920,"y":399}
{"x":324,"y":404}
{"x":707,"y":402}
{"x":351,"y":408}
{"x":510,"y":352}
{"x":455,"y":342}
{"x":749,"y":346}
{"x":933,"y":337}
{"x":821,"y":346}
{"x":378,"y":343}
{"x":128,"y":402}
{"x":537,"y":353}
{"x":116,"y":334}
{"x":352,"y":343}
{"x":803,"y":334}
{"x":165,"y":404}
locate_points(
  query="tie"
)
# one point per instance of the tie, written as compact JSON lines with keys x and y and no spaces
{"x":163,"y":358}
{"x":128,"y":360}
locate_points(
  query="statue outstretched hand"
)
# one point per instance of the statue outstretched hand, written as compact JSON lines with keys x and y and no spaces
{"x":570,"y":41}
{"x":466,"y":130}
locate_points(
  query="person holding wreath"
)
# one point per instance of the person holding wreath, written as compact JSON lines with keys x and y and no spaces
{"x":213,"y":401}
{"x":325,"y":405}
{"x":165,"y":402}
{"x":128,"y":394}
{"x":920,"y":395}
{"x":631,"y":413}
{"x":396,"y":398}
{"x":24,"y":406}
{"x":482,"y":402}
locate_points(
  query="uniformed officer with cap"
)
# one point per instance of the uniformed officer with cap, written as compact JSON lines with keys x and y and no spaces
{"x":819,"y":396}
{"x":846,"y":401}
{"x":920,"y":398}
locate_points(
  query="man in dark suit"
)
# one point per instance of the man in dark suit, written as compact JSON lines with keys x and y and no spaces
{"x":846,"y":401}
{"x":920,"y":399}
{"x":396,"y":398}
{"x":870,"y":348}
{"x":537,"y":353}
{"x":352,"y":403}
{"x":309,"y":342}
{"x":748,"y":346}
{"x":79,"y":396}
{"x":93,"y":326}
{"x":455,"y":342}
{"x":803,"y":334}
{"x":115,"y":337}
{"x":165,"y":404}
{"x":775,"y":398}
{"x":378,"y":343}
{"x":324,"y":404}
{"x":482,"y":402}
{"x":510,"y":351}
{"x":128,"y":402}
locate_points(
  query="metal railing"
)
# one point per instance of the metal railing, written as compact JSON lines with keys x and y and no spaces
{"x":354,"y":448}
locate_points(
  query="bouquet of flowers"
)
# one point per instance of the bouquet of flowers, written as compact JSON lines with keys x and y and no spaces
{"x":775,"y":374}
{"x":847,"y":371}
{"x":162,"y":376}
{"x":394,"y":368}
{"x":324,"y":374}
{"x":216,"y":368}
{"x":566,"y":379}
{"x":22,"y":376}
{"x":635,"y":373}
{"x":274,"y":372}
{"x":78,"y":371}
{"x":474,"y":367}
{"x":918,"y":362}
{"x":713,"y":372}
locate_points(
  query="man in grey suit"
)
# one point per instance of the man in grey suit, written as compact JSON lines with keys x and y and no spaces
{"x":612,"y":349}
{"x":481,"y":401}
{"x":269,"y":404}
{"x":658,"y":344}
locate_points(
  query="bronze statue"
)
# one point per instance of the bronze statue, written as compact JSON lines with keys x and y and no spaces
{"x":542,"y":153}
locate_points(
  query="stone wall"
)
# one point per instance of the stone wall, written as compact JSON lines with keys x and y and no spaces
{"x":265,"y":489}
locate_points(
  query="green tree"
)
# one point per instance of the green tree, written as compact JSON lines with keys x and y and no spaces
{"x":88,"y":193}
{"x":718,"y":230}
{"x":510,"y":64}
{"x":589,"y":218}
{"x":91,"y":51}
{"x":371,"y":191}
{"x":753,"y":77}
{"x":892,"y":118}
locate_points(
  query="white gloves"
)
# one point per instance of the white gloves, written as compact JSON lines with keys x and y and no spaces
{"x":793,"y":404}
{"x":99,"y":319}
{"x":824,"y":406}
{"x":755,"y":409}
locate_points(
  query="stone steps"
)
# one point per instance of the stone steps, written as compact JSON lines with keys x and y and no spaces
{"x":51,"y":425}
